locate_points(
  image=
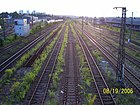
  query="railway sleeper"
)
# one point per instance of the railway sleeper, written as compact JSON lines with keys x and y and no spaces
{"x":109,"y":103}
{"x":106,"y":96}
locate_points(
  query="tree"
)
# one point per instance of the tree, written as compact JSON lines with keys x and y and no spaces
{"x":15,"y":15}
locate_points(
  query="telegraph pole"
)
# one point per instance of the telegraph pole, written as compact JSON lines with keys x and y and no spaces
{"x":131,"y":29}
{"x":32,"y":18}
{"x":121,"y":51}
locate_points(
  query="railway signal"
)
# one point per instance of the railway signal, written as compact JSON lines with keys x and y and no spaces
{"x":121,"y":50}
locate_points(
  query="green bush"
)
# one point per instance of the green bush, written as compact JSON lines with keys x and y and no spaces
{"x":127,"y":99}
{"x":9,"y":72}
{"x":52,"y":102}
{"x":51,"y":93}
{"x":59,"y":70}
{"x":85,"y":76}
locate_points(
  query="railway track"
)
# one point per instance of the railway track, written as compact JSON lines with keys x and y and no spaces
{"x":38,"y":93}
{"x":130,"y":58}
{"x":9,"y":30}
{"x":71,"y":74}
{"x":130,"y":46}
{"x":19,"y":53}
{"x":99,"y":81}
{"x":4,"y":50}
{"x":116,"y":34}
{"x":131,"y":77}
{"x":39,"y":51}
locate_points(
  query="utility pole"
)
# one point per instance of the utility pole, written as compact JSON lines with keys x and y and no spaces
{"x":32,"y":18}
{"x":121,"y":50}
{"x":82,"y":25}
{"x":131,"y":29}
{"x":3,"y":26}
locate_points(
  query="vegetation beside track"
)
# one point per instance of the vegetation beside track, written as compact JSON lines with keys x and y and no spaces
{"x":135,"y":35}
{"x":86,"y":78}
{"x":38,"y":27}
{"x":129,"y":51}
{"x":22,"y":60}
{"x":104,"y":66}
{"x":97,"y":55}
{"x":20,"y":87}
{"x":127,"y":99}
{"x":111,"y":28}
{"x":59,"y":69}
{"x":11,"y":38}
{"x":121,"y":99}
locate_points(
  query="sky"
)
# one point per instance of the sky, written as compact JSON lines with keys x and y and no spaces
{"x":91,"y":8}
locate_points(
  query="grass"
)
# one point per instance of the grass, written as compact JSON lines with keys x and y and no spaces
{"x":85,"y":86}
{"x":17,"y":93}
{"x":135,"y":35}
{"x":116,"y":29}
{"x":97,"y":55}
{"x":13,"y":37}
{"x":9,"y":39}
{"x":39,"y":26}
{"x":135,"y":54}
{"x":129,"y":51}
{"x":30,"y":76}
{"x":126,"y":99}
{"x":52,"y":102}
{"x":86,"y":78}
{"x":59,"y":70}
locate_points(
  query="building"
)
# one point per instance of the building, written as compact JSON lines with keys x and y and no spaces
{"x":30,"y":19}
{"x":116,"y":21}
{"x":21,"y":27}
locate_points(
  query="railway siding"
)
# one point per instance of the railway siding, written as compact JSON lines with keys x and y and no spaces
{"x":71,"y":74}
{"x":23,"y":51}
{"x":86,"y":92}
{"x":27,"y":79}
{"x":54,"y":89}
{"x":132,"y":80}
{"x":99,"y":80}
{"x":39,"y":92}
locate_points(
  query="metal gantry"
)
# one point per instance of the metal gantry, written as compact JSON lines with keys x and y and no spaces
{"x":121,"y":50}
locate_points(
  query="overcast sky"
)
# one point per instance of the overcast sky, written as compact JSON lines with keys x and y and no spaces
{"x":98,"y":8}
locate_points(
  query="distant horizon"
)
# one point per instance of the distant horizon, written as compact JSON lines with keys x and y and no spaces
{"x":72,"y":15}
{"x":90,"y":8}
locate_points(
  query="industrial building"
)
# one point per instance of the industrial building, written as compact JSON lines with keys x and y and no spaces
{"x":22,"y":28}
{"x":30,"y":19}
{"x":115,"y":21}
